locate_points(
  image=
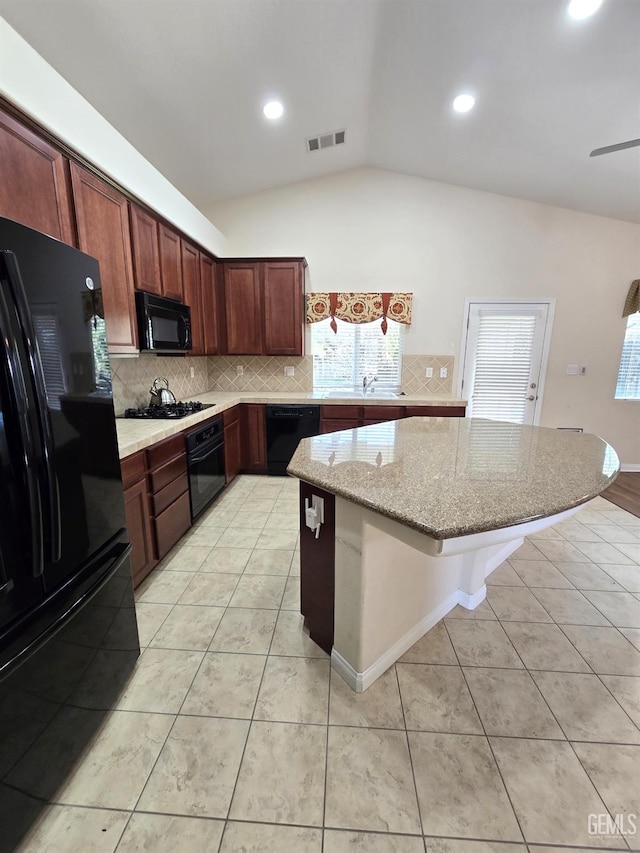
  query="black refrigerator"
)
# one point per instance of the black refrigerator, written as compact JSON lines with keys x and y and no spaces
{"x":68,"y":632}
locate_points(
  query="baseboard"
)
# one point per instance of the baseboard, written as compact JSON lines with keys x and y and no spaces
{"x":470,"y":602}
{"x":630,"y":466}
{"x":359,"y":681}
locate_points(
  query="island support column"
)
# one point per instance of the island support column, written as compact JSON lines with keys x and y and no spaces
{"x":389,"y":590}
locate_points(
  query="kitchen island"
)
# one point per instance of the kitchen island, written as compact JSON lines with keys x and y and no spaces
{"x":414,"y":514}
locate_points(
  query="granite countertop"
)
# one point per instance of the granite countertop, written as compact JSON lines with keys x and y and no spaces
{"x":448,"y":477}
{"x":134,"y":435}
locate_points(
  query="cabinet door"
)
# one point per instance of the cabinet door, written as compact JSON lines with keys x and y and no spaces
{"x":34,"y":185}
{"x":170,"y":263}
{"x":192,"y":298}
{"x":103,"y":231}
{"x":209,"y":302}
{"x":137,"y":515}
{"x":283,"y":298}
{"x":255,"y":438}
{"x":232,"y":450}
{"x":146,"y":253}
{"x":243,"y":309}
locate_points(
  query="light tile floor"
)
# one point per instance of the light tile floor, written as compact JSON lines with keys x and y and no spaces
{"x":502,"y":727}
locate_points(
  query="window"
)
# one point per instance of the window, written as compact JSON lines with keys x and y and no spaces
{"x":628,"y":385}
{"x":341,"y":360}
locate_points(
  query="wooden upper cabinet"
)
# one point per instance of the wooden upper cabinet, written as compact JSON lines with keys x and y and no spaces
{"x":283,"y":297}
{"x":146,"y":253}
{"x":243,"y":309}
{"x":34,"y":187}
{"x":170,"y":263}
{"x":191,"y":285}
{"x":103,"y":231}
{"x":209,"y":303}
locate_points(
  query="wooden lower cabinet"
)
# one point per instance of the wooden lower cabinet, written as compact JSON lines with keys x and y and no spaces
{"x":232,"y":443}
{"x":254,"y":439}
{"x":172,"y":524}
{"x":169,"y":489}
{"x":337,"y":424}
{"x":138,"y":512}
{"x":317,"y":570}
{"x":335,"y":418}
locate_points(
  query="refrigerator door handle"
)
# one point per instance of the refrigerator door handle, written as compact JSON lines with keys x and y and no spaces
{"x":42,"y":408}
{"x":18,"y":390}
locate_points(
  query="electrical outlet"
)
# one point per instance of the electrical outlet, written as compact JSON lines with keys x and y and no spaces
{"x":572,"y":369}
{"x":429,"y":372}
{"x":443,"y":373}
{"x":289,"y":371}
{"x":192,"y":372}
{"x":239,"y":370}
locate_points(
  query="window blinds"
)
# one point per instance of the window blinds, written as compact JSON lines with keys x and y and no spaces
{"x":628,"y":385}
{"x":341,"y":360}
{"x":504,"y":354}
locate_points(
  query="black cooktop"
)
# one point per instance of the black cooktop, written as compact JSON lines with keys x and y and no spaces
{"x":168,"y":411}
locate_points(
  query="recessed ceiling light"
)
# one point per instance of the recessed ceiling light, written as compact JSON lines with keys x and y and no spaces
{"x":463,"y":103}
{"x":273,"y":109}
{"x":580,"y":9}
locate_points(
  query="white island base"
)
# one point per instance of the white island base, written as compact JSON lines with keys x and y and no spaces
{"x":393,"y":584}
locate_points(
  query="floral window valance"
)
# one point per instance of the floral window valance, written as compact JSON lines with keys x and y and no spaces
{"x":359,"y":308}
{"x":632,"y":302}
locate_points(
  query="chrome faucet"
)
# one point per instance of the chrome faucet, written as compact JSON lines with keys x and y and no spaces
{"x":367,"y":382}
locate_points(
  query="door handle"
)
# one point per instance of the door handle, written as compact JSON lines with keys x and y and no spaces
{"x":34,"y":368}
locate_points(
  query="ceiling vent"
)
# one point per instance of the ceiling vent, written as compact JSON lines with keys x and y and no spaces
{"x":326,"y":140}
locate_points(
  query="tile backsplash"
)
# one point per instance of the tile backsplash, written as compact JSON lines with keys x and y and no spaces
{"x":132,"y":377}
{"x":261,"y":373}
{"x":414,"y":380}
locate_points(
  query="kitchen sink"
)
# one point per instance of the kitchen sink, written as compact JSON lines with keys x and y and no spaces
{"x":343,"y":394}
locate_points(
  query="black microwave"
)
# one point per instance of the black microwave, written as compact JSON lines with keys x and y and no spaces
{"x":164,"y":325}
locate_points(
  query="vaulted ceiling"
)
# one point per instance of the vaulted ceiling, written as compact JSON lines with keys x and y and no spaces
{"x":185,"y":80}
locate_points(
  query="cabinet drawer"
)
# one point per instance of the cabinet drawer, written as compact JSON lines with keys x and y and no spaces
{"x":133,"y":469}
{"x":170,"y":493}
{"x":383,"y":413}
{"x":172,"y":524}
{"x":168,"y":472}
{"x":330,"y":412}
{"x":161,"y":452}
{"x":434,"y":412}
{"x":336,"y":424}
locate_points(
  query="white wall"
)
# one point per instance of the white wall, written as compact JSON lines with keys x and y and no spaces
{"x":38,"y":90}
{"x":368,"y":229}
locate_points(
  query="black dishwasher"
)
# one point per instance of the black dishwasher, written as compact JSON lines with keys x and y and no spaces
{"x":286,"y":426}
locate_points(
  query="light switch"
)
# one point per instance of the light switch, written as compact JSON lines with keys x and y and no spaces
{"x":192,"y":372}
{"x":583,"y":370}
{"x":289,"y":371}
{"x":239,"y":370}
{"x":429,"y":372}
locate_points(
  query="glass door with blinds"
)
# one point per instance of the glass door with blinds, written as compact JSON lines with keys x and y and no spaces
{"x":504,"y":359}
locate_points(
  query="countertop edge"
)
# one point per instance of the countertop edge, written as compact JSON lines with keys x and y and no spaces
{"x":148,"y":432}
